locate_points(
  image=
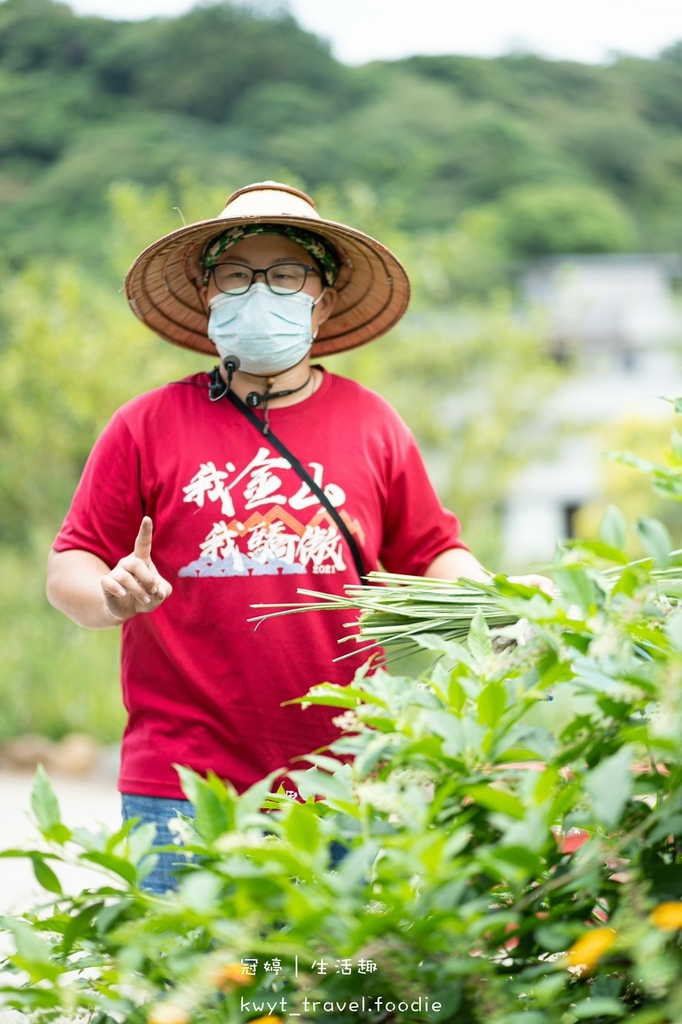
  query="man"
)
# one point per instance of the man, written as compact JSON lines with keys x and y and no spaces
{"x":189,"y":513}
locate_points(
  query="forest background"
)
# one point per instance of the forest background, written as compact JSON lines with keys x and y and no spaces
{"x":112,"y":133}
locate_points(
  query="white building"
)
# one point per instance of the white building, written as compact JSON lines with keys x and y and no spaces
{"x":619,"y":320}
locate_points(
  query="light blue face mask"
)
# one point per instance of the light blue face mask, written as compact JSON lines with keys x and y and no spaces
{"x":268,"y":333}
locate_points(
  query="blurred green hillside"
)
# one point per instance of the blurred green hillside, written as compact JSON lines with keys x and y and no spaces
{"x":225,"y":95}
{"x":112,"y":133}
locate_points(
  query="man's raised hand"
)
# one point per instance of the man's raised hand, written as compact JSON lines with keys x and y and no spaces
{"x":134,"y":585}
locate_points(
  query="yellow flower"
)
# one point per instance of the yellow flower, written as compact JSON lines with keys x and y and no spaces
{"x":168,"y":1013}
{"x":589,"y":948}
{"x":667,"y":916}
{"x":268,"y":1019}
{"x":229,"y":976}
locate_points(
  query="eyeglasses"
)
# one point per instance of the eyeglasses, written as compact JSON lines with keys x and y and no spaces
{"x":282,"y":278}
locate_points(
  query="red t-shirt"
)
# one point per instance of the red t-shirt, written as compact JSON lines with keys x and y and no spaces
{"x":234,"y":527}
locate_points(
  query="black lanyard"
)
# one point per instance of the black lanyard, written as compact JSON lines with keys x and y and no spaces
{"x":306,"y":477}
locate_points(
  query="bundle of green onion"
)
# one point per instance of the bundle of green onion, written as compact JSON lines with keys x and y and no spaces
{"x":396,"y":607}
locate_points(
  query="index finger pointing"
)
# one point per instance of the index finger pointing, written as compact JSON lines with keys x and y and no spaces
{"x":143,"y":541}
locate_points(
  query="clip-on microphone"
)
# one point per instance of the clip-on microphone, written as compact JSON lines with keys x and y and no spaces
{"x":217,"y":387}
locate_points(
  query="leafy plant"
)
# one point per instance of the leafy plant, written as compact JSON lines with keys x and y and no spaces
{"x":494,"y":840}
{"x":510,"y":857}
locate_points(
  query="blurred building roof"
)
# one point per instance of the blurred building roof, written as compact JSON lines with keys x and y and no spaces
{"x":607,"y":302}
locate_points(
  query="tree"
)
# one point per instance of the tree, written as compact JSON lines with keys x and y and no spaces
{"x":42,"y":35}
{"x":202,"y":63}
{"x":85,"y":102}
{"x":563,"y":218}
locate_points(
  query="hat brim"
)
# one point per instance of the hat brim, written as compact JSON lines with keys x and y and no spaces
{"x":163,"y":285}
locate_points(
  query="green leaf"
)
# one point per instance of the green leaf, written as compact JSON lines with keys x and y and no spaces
{"x":491,"y":704}
{"x":376,"y":750}
{"x":676,"y":445}
{"x":456,"y":652}
{"x":598,"y":1008}
{"x":667,"y":483}
{"x":302,"y":828}
{"x":44,"y":802}
{"x":332,"y":695}
{"x":668,"y":827}
{"x":30,"y":946}
{"x":119,"y":866}
{"x":449,"y":727}
{"x":213,"y":802}
{"x":139,"y":842}
{"x":601,"y":550}
{"x":199,"y":891}
{"x":45,"y":876}
{"x":249,"y":806}
{"x":518,"y":856}
{"x":189,"y":782}
{"x":108,"y":916}
{"x":456,"y":693}
{"x":13,"y":852}
{"x":494,"y":799}
{"x":78,"y":925}
{"x":313,"y":782}
{"x":576,"y":587}
{"x":479,"y":640}
{"x":635,"y":461}
{"x":654,"y":538}
{"x":213,"y":818}
{"x":322,"y":761}
{"x":613,"y":528}
{"x":630,"y":580}
{"x":609,"y":786}
{"x":555,"y":937}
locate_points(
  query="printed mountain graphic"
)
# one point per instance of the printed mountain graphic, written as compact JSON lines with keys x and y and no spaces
{"x":273,"y":515}
{"x":277,"y":513}
{"x":241,"y":566}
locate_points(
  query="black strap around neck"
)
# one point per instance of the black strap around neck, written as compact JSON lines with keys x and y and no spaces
{"x":307,"y":478}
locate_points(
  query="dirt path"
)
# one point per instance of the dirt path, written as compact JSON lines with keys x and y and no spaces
{"x":85,"y":801}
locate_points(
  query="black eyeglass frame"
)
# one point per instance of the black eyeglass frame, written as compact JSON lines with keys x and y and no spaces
{"x":307,"y":267}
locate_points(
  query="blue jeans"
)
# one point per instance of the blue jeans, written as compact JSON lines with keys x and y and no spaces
{"x":158,"y":810}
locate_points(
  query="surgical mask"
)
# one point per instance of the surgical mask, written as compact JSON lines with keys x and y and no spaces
{"x":269,"y":333}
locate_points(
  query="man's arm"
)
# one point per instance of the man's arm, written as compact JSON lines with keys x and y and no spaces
{"x":92,"y":594}
{"x":74,"y":587}
{"x":456,"y":563}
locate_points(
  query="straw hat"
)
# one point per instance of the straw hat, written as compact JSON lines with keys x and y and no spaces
{"x":162,"y":285}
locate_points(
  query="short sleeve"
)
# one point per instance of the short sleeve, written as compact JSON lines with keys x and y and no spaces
{"x":107,"y":507}
{"x":416,"y":526}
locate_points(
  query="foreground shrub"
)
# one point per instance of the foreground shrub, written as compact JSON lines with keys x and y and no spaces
{"x":511,"y":819}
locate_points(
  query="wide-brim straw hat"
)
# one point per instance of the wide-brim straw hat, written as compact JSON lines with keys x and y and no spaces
{"x":163,"y":284}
